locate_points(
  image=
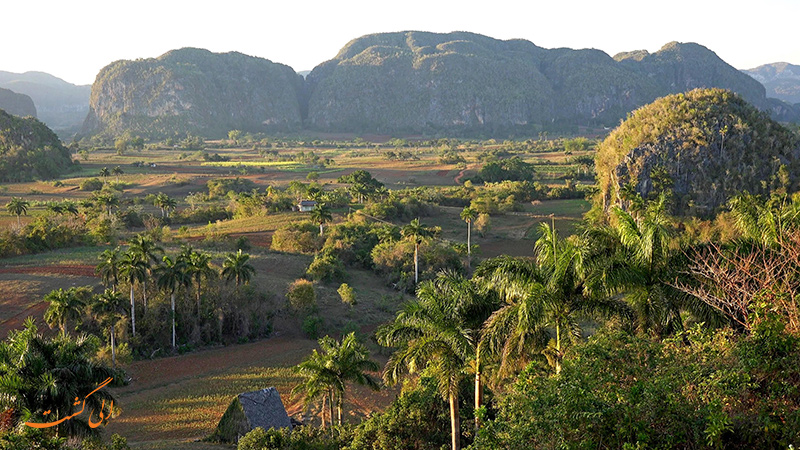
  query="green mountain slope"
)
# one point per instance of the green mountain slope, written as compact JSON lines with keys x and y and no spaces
{"x":707,"y":144}
{"x":30,"y":150}
{"x":194,"y":91}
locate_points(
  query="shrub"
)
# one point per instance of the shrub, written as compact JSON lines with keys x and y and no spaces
{"x":326,"y":267}
{"x":302,"y":295}
{"x":91,"y":184}
{"x":347,"y":294}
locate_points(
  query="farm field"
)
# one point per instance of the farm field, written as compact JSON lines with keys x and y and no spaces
{"x":175,"y":400}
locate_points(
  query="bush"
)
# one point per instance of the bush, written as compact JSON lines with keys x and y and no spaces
{"x":300,"y":237}
{"x":347,"y":294}
{"x":326,"y":267}
{"x":91,"y":184}
{"x":312,"y":326}
{"x":302,"y":295}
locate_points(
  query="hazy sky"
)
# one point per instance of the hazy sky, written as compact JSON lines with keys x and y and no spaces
{"x":75,"y":39}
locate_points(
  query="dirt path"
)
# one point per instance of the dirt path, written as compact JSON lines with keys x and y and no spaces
{"x":460,"y":175}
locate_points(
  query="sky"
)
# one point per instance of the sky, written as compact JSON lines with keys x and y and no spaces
{"x":74,"y":39}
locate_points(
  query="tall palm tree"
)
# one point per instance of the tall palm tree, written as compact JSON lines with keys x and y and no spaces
{"x":107,"y":201}
{"x":108,"y":268}
{"x":468,"y":215}
{"x":146,"y":249}
{"x":540,"y":296}
{"x":65,"y":306}
{"x":117,"y":171}
{"x":165,"y":203}
{"x":17,"y":206}
{"x":418,"y":233}
{"x":107,"y":308}
{"x":171,"y":276}
{"x":336,"y":365}
{"x":198,"y":266}
{"x":645,"y":267}
{"x":321,"y":214}
{"x":39,"y":374}
{"x":133,"y":268}
{"x":764,"y":221}
{"x":104,"y":172}
{"x":236,"y":267}
{"x":437,"y":332}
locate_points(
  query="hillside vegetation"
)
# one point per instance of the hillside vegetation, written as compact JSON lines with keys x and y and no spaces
{"x":195,"y":91}
{"x":701,"y":147}
{"x":406,"y":82}
{"x":29,"y":150}
{"x":16,"y":104}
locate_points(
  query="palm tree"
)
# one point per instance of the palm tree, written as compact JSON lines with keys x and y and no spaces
{"x":55,"y":208}
{"x":117,"y":171}
{"x":65,"y":306}
{"x":104,"y":172}
{"x":133,"y":268}
{"x":337,"y":364}
{"x":198,"y":266}
{"x":549,"y":293}
{"x":107,"y":308}
{"x":321,"y":214}
{"x":236,"y":267}
{"x":762,"y":221}
{"x":41,"y":375}
{"x":107,"y":201}
{"x":644,"y":269}
{"x":418,"y":232}
{"x":468,"y":215}
{"x":438,"y":332}
{"x":108,"y":268}
{"x":146,"y":249}
{"x":17,"y":206}
{"x":172,"y":275}
{"x":165,"y":203}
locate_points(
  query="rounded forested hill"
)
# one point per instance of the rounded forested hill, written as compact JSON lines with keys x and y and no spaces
{"x":703,"y":146}
{"x":194,"y":91}
{"x":30,"y":150}
{"x":421,"y":82}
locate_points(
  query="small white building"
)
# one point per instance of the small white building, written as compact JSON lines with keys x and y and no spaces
{"x":306,"y":205}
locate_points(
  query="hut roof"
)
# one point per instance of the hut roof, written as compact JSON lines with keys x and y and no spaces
{"x":264,"y":409}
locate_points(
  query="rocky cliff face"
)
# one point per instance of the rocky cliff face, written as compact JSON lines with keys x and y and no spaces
{"x":16,"y":104}
{"x":703,"y":146}
{"x":406,"y":82}
{"x":782,"y":80}
{"x":418,"y":81}
{"x":194,"y":91}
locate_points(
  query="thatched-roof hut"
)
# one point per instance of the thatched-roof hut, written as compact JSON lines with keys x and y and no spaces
{"x":251,"y":410}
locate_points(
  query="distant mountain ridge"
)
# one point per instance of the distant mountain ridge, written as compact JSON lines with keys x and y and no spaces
{"x":406,"y":82}
{"x":61,"y":105}
{"x":17,"y":104}
{"x":782,"y":80}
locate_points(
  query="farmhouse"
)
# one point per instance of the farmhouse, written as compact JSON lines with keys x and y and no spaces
{"x":252,"y":410}
{"x":306,"y":205}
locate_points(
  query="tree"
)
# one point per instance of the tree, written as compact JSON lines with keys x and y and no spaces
{"x":236,"y":267}
{"x":133,"y":268}
{"x":104,"y":172}
{"x":17,"y":206}
{"x":361,"y":184}
{"x":165,"y":203}
{"x":108,"y":268}
{"x":417,"y":232}
{"x":146,"y":249}
{"x":65,"y":306}
{"x":438,"y":333}
{"x":107,"y":201}
{"x":321,"y":214}
{"x":198,"y":266}
{"x":117,"y":170}
{"x":330,"y":370}
{"x":469,"y":215}
{"x":107,"y":308}
{"x":39,"y":374}
{"x":171,"y":275}
{"x":549,"y":293}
